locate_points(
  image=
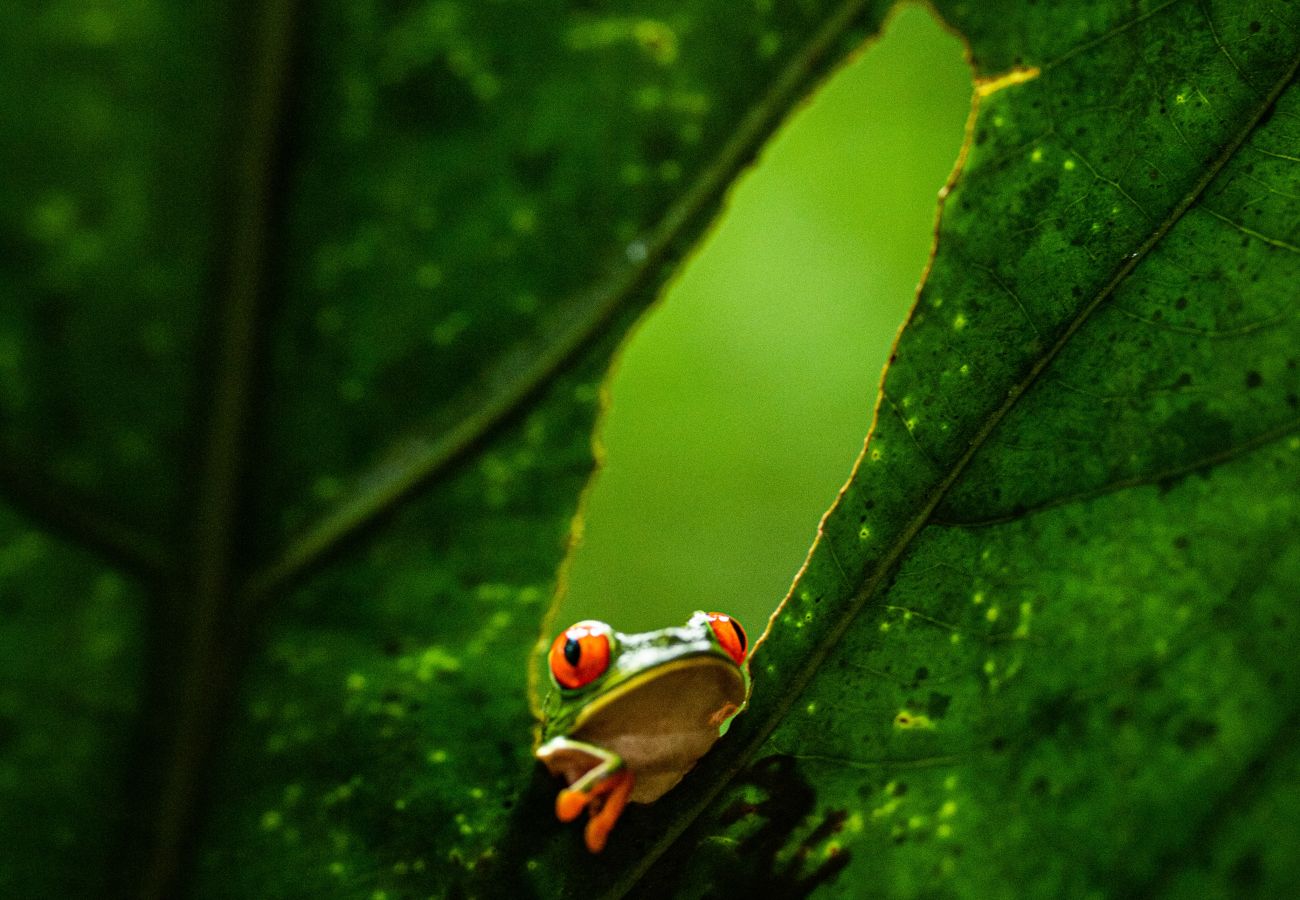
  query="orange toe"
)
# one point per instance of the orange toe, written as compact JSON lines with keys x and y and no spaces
{"x":569,"y":804}
{"x":602,"y":822}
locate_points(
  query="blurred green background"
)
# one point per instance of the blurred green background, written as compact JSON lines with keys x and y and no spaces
{"x":741,"y":402}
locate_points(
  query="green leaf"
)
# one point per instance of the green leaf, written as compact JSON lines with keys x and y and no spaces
{"x":300,"y":340}
{"x":1044,"y":645}
{"x":303,"y":314}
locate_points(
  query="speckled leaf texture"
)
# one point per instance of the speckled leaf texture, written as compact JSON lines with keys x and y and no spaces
{"x":304,"y":309}
{"x":303,"y":313}
{"x":1046,"y":643}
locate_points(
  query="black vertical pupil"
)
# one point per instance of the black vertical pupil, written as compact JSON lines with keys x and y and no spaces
{"x":740,"y":633}
{"x":572,"y":651}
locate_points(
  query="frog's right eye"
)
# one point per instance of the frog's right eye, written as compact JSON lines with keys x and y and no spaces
{"x":580,"y":654}
{"x":730,"y":635}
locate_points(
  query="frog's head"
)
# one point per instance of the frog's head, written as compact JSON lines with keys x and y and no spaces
{"x":599,"y":673}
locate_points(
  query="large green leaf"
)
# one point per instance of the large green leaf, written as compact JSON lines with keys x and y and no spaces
{"x":1043,"y":645}
{"x":303,"y":312}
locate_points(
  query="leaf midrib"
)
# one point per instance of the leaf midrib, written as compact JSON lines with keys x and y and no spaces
{"x":1209,"y":460}
{"x":196,"y":614}
{"x":737,"y":760}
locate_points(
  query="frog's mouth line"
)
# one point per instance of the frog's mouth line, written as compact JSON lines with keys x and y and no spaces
{"x":693,"y":661}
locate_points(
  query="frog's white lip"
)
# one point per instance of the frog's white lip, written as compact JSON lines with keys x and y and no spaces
{"x":689,"y":659}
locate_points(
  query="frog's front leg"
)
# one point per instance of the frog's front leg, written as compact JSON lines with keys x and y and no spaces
{"x":603,"y":789}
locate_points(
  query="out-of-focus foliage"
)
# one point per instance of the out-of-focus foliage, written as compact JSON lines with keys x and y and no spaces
{"x":300,"y":335}
{"x":303,"y":310}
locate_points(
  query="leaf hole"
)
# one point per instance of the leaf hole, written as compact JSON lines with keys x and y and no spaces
{"x":740,"y":403}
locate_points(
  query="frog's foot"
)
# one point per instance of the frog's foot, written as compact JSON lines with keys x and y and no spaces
{"x":599,"y":782}
{"x":604,"y":800}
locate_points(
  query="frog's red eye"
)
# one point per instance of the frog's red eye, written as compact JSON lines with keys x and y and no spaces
{"x":580,"y":654}
{"x":730,"y":635}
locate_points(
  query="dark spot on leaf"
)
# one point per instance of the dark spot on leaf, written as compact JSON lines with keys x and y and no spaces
{"x":921,"y":674}
{"x":430,"y":94}
{"x":1180,"y":303}
{"x":534,"y":169}
{"x":1195,"y":732}
{"x":1183,"y":380}
{"x":1182,"y":542}
{"x":1039,"y":785}
{"x":1146,"y":676}
{"x":900,"y":788}
{"x":1254,"y":27}
{"x":1248,"y":871}
{"x":937,"y":704}
{"x":659,"y":145}
{"x":1055,"y":713}
{"x":1254,"y":379}
{"x":998,"y":744}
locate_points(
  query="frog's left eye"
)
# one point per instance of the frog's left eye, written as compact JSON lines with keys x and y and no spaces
{"x":580,"y":654}
{"x":730,"y":635}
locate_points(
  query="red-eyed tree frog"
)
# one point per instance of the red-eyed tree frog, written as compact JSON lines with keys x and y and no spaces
{"x":629,"y":714}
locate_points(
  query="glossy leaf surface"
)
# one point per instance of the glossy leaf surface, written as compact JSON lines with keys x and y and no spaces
{"x":1044,"y":645}
{"x":303,"y":314}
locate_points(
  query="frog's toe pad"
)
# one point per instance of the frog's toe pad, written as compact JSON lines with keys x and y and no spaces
{"x":570,"y":804}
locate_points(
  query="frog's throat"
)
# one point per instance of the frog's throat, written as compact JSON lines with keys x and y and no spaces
{"x":677,"y":665}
